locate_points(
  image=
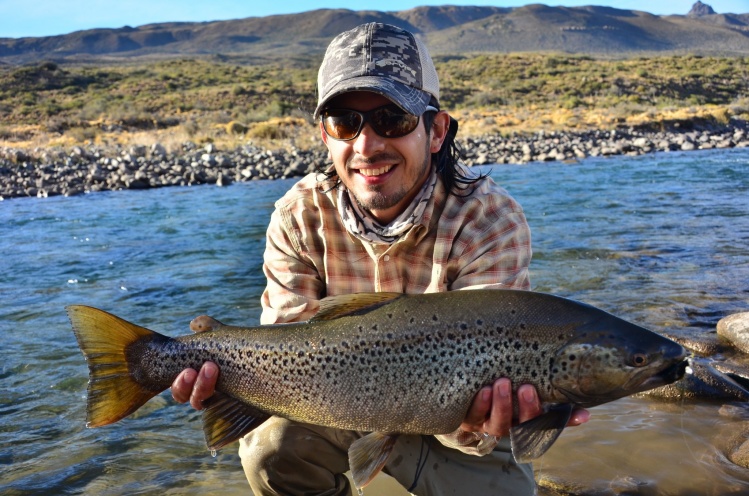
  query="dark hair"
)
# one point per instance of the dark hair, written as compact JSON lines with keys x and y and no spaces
{"x":446,"y":160}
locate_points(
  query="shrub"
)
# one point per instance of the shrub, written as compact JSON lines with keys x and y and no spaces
{"x":235,"y":127}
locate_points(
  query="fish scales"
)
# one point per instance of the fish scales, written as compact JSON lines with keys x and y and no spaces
{"x":380,"y":371}
{"x":385,"y":363}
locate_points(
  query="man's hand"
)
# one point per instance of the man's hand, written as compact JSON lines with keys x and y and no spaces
{"x":197,"y":386}
{"x":491,"y":411}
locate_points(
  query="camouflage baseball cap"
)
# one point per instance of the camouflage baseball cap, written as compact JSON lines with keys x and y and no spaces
{"x":380,"y":58}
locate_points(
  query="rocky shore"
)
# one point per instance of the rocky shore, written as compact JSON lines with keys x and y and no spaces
{"x":82,"y":169}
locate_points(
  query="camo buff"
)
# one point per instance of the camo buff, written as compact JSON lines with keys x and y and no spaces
{"x":380,"y":58}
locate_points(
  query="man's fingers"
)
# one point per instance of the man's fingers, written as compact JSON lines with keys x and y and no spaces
{"x":476,"y":415}
{"x":182,"y":385}
{"x":205,"y":385}
{"x":203,"y":323}
{"x":500,"y":418}
{"x":529,"y":405}
{"x":579,"y":416}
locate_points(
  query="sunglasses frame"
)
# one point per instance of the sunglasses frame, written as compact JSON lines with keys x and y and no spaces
{"x":365,"y":119}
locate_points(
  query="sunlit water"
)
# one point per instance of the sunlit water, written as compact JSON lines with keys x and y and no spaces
{"x":662,"y":240}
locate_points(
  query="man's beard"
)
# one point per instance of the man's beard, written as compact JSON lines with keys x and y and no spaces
{"x":381,"y":201}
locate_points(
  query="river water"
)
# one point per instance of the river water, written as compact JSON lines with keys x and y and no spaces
{"x":662,"y":240}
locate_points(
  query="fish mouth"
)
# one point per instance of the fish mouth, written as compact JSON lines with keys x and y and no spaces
{"x":666,"y":376}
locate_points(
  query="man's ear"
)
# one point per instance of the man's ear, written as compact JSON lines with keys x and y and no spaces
{"x":440,"y":126}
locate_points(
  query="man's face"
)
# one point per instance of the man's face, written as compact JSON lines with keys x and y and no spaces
{"x":383,"y":174}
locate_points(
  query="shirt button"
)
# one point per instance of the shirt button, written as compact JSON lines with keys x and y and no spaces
{"x":386,"y":258}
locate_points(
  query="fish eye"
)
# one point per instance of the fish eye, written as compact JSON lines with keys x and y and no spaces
{"x":639,"y":359}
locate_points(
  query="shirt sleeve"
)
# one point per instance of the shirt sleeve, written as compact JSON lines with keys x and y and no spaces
{"x":493,"y":248}
{"x":294,"y":286}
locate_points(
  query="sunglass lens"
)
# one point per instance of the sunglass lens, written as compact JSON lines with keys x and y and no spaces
{"x":392,"y":123}
{"x":342,"y":124}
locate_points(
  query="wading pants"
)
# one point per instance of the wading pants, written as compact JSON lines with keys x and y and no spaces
{"x":287,"y":458}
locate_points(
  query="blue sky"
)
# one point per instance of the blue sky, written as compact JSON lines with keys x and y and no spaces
{"x":19,"y":18}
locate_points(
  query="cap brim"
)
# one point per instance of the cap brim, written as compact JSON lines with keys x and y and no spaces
{"x":410,"y":99}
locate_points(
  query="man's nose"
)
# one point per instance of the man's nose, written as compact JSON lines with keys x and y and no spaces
{"x":368,"y":142}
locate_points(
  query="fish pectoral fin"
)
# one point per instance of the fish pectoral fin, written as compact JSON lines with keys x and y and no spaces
{"x":367,"y":456}
{"x":334,"y":307}
{"x":226,"y":419}
{"x":533,"y":438}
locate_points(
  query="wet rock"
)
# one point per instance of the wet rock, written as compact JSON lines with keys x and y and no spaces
{"x":740,"y":456}
{"x":735,"y":328}
{"x":736,"y":447}
{"x":701,"y":342}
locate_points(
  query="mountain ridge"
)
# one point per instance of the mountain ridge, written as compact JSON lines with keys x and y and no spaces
{"x":446,"y":29}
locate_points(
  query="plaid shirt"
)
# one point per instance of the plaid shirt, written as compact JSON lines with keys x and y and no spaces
{"x":478,"y":241}
{"x":481,"y":240}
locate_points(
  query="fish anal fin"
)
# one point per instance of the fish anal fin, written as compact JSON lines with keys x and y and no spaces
{"x":533,"y":438}
{"x":367,"y":456}
{"x":226,"y":419}
{"x":334,"y":307}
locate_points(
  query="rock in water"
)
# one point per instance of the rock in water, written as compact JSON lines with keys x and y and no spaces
{"x":735,"y":328}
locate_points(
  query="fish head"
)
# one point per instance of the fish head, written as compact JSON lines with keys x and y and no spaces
{"x":611,"y":358}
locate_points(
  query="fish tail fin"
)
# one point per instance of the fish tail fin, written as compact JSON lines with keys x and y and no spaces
{"x":113,"y":392}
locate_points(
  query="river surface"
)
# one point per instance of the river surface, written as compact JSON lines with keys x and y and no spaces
{"x":662,"y":240}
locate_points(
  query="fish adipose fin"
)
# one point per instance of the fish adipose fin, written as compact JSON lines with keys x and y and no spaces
{"x":225,"y":420}
{"x":113,"y":393}
{"x":334,"y":307}
{"x":367,"y":456}
{"x":533,"y":438}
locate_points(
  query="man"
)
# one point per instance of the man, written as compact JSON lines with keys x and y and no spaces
{"x":395,"y":212}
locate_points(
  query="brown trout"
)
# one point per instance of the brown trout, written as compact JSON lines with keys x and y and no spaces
{"x":384,"y":363}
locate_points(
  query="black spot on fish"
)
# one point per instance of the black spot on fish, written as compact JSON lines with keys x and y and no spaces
{"x":390,"y":315}
{"x":435,"y":318}
{"x":463,"y":327}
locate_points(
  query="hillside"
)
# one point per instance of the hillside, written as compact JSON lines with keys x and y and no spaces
{"x":446,"y":29}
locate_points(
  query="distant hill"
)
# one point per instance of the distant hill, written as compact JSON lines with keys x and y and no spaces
{"x":446,"y":29}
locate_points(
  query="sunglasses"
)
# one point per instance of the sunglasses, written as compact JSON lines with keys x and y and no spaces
{"x":388,"y":121}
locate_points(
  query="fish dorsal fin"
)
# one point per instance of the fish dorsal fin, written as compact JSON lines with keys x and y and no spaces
{"x":226,"y":419}
{"x":334,"y":307}
{"x":534,"y":437}
{"x":367,"y":456}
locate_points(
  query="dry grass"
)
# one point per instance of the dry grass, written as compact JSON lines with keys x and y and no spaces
{"x":174,"y":102}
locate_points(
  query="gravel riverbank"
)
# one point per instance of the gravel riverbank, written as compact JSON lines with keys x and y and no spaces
{"x":82,"y":169}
